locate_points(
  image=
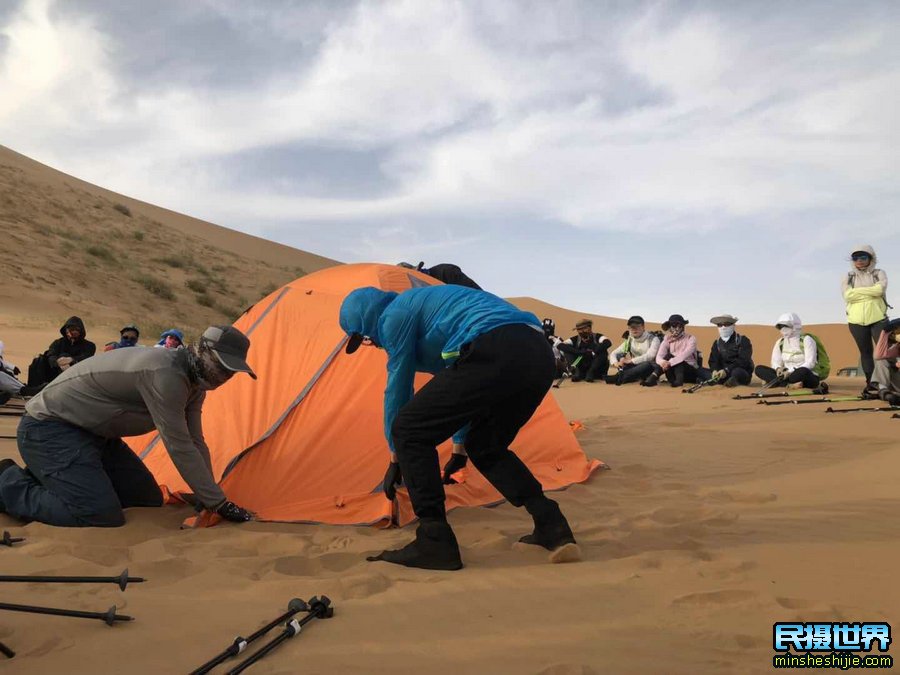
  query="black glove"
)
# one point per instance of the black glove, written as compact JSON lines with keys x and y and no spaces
{"x":454,"y":464}
{"x":234,"y":513}
{"x":392,"y":480}
{"x":16,"y":370}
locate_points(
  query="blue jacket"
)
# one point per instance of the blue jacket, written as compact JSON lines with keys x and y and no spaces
{"x":422,"y":330}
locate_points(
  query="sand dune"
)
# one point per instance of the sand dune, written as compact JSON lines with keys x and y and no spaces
{"x":717,"y":519}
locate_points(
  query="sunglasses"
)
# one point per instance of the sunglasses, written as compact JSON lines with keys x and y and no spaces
{"x":860,"y":256}
{"x":722,"y":325}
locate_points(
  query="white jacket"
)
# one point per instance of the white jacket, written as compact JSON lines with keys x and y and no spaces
{"x":789,"y":352}
{"x":642,"y":349}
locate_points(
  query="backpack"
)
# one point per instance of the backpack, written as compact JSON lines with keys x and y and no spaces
{"x":823,"y":363}
{"x":40,"y":372}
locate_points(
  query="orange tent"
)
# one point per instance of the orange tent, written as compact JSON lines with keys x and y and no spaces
{"x":304,"y":443}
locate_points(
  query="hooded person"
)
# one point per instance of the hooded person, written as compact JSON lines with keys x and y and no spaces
{"x":171,"y":339}
{"x":886,"y":376}
{"x":587,"y":353}
{"x":446,"y":273}
{"x":677,"y":356}
{"x":128,"y":337}
{"x":731,"y":355}
{"x":795,"y":357}
{"x":634,"y":358}
{"x":73,"y":347}
{"x":79,"y":471}
{"x":9,"y":381}
{"x":864,"y":289}
{"x":492,"y":367}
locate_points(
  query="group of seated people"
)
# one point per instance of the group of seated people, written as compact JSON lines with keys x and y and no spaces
{"x":70,"y":348}
{"x":798,"y":359}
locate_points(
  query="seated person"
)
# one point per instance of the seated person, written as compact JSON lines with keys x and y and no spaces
{"x":731,"y":356}
{"x":171,"y":339}
{"x":886,"y":376}
{"x":73,"y":347}
{"x":795,"y":358}
{"x":587,"y":353}
{"x":128,"y":337}
{"x":447,"y":273}
{"x":9,"y":382}
{"x":634,"y":358}
{"x":677,"y":356}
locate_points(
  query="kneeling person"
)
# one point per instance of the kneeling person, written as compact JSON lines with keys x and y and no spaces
{"x":492,"y":368}
{"x":79,"y":471}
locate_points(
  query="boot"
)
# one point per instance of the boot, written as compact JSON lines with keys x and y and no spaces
{"x":651,"y":380}
{"x":551,"y":529}
{"x":434,"y":548}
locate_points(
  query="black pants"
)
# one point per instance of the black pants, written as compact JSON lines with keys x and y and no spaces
{"x":866,"y":338}
{"x":631,"y":373}
{"x":590,"y":367}
{"x":739,"y":375}
{"x":682,"y":372}
{"x":496,"y":385}
{"x":809,"y":379}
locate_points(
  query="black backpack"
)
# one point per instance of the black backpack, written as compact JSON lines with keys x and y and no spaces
{"x":40,"y":372}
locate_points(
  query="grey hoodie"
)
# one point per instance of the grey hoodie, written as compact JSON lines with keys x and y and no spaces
{"x":129,"y":392}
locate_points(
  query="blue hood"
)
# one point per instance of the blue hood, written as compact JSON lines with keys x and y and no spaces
{"x":362,"y":309}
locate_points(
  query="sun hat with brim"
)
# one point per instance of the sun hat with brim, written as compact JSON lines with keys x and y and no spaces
{"x":724,"y":318}
{"x":230,"y":346}
{"x":354,"y":342}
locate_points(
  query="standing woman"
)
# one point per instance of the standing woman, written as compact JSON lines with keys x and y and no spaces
{"x":864,"y":289}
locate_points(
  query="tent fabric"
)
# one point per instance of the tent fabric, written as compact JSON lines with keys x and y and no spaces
{"x":304,"y":443}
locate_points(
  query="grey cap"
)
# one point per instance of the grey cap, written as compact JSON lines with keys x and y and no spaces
{"x":724,"y":318}
{"x":230,"y":346}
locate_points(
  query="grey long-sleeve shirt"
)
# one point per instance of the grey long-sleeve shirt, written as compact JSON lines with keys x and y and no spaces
{"x":128,"y":392}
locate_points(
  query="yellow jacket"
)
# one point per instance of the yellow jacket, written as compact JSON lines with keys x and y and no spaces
{"x":864,"y":292}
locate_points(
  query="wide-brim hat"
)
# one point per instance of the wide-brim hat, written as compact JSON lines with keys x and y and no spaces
{"x":724,"y":318}
{"x":674,"y":318}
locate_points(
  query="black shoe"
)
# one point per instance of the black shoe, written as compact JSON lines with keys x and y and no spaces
{"x":888,"y":396}
{"x":650,"y":381}
{"x":822,"y":389}
{"x":434,"y":548}
{"x":577,"y":378}
{"x":870,"y":393}
{"x":4,"y":397}
{"x":589,"y":378}
{"x":551,"y":529}
{"x":731,"y":382}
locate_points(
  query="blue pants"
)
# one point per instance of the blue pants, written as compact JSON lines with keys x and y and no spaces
{"x":74,"y":478}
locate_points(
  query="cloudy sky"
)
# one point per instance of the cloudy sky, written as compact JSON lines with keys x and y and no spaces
{"x":614,"y":157}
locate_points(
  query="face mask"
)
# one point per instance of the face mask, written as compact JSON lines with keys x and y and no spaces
{"x":676,"y":331}
{"x":208,"y":371}
{"x":786,"y":332}
{"x":726,"y":332}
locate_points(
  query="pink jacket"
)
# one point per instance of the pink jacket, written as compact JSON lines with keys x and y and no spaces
{"x":882,"y":351}
{"x":683,"y":349}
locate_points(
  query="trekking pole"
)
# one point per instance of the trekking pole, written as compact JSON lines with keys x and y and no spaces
{"x":121,"y":581}
{"x":836,"y":399}
{"x":318,"y":609}
{"x":699,"y":385}
{"x":8,"y":540}
{"x":12,"y":413}
{"x":851,"y":410}
{"x":560,"y":380}
{"x":240,"y":643}
{"x":109,"y":617}
{"x":7,"y":652}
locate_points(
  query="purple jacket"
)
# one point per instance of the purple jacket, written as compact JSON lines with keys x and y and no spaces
{"x":676,"y":351}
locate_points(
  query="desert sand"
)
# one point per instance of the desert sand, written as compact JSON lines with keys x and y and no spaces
{"x":717,"y":518}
